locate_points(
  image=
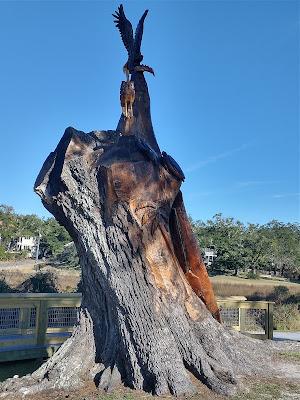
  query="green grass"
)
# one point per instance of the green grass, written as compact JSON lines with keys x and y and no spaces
{"x":116,"y":397}
{"x":269,"y":391}
{"x":261,"y":391}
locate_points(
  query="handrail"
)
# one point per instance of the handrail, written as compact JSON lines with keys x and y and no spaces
{"x":39,"y":295}
{"x":34,"y":325}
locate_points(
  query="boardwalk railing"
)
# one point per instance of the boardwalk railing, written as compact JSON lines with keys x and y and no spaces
{"x":252,"y":318}
{"x":34,"y":325}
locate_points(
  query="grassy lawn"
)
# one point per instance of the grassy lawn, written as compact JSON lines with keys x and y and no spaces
{"x":270,"y":391}
{"x":225,"y":286}
{"x":260,"y":281}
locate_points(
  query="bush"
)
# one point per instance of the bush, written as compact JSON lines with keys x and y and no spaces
{"x":41,"y":282}
{"x":4,"y":256}
{"x":68,"y":258}
{"x":286,"y":317}
{"x":252,"y":275}
{"x":279,"y":295}
{"x":4,"y":287}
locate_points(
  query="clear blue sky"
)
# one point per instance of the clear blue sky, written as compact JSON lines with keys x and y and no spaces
{"x":225,"y":99}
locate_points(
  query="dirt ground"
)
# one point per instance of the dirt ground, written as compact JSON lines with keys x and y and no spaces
{"x":284,"y":384}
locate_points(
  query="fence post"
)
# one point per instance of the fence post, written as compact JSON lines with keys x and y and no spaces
{"x":242,"y":319}
{"x":42,"y":322}
{"x":24,"y":319}
{"x":270,"y":321}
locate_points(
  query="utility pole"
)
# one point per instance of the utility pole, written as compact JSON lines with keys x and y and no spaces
{"x":37,"y":251}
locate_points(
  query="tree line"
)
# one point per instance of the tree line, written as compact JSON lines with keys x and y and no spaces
{"x":273,"y":247}
{"x":54,"y":237}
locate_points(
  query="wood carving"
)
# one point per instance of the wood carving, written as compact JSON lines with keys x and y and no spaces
{"x":147,"y":310}
{"x":127,"y":96}
{"x":132,"y":44}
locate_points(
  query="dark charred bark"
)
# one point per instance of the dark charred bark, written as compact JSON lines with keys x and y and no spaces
{"x":146,"y":316}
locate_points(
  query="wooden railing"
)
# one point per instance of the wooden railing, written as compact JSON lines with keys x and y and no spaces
{"x":252,"y":318}
{"x":34,"y":325}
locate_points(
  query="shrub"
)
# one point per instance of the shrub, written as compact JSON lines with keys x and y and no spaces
{"x":4,"y":287}
{"x":279,"y":295}
{"x":4,"y":256}
{"x":286,"y":317}
{"x":41,"y":282}
{"x":68,"y":258}
{"x":252,"y":275}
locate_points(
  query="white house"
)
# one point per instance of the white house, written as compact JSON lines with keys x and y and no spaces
{"x":26,"y":243}
{"x":209,"y":255}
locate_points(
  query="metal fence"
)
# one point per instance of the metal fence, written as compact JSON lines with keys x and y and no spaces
{"x":34,"y":325}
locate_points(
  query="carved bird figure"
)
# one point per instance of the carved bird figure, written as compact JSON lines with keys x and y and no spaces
{"x":132,"y":44}
{"x":127,"y":96}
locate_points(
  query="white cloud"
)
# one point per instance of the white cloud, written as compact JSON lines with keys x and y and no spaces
{"x":283,"y":195}
{"x":255,"y":183}
{"x":215,"y":158}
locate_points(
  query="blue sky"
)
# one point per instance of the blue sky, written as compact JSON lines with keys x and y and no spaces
{"x":225,"y":99}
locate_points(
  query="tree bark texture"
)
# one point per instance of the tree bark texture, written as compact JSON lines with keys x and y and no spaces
{"x":146,"y":315}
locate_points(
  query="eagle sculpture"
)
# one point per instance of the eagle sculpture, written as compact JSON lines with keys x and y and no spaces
{"x":127,"y":96}
{"x":131,"y":43}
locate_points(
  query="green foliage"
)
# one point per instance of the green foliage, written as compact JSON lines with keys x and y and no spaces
{"x":12,"y":225}
{"x":8,"y":224}
{"x":286,"y":317}
{"x":283,"y":250}
{"x":54,"y":238}
{"x":243,"y":247}
{"x":286,"y":309}
{"x":252,"y":275}
{"x":68,"y":257}
{"x":4,"y":256}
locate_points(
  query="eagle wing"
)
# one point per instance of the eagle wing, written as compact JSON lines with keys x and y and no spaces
{"x":171,"y":165}
{"x":125,"y":28}
{"x":138,"y":37}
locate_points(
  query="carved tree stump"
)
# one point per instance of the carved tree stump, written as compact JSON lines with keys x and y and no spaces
{"x":146,"y":315}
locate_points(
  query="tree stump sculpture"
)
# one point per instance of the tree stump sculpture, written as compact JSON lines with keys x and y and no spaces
{"x":148,"y":317}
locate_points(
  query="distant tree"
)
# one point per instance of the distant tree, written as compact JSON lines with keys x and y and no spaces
{"x":69,"y":257}
{"x":283,"y":250}
{"x":12,"y":225}
{"x":54,"y":238}
{"x":254,"y":248}
{"x":226,"y":235}
{"x":29,"y":225}
{"x":8,"y":224}
{"x":251,"y":246}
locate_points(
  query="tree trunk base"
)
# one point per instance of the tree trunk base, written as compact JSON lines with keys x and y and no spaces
{"x":218,"y":360}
